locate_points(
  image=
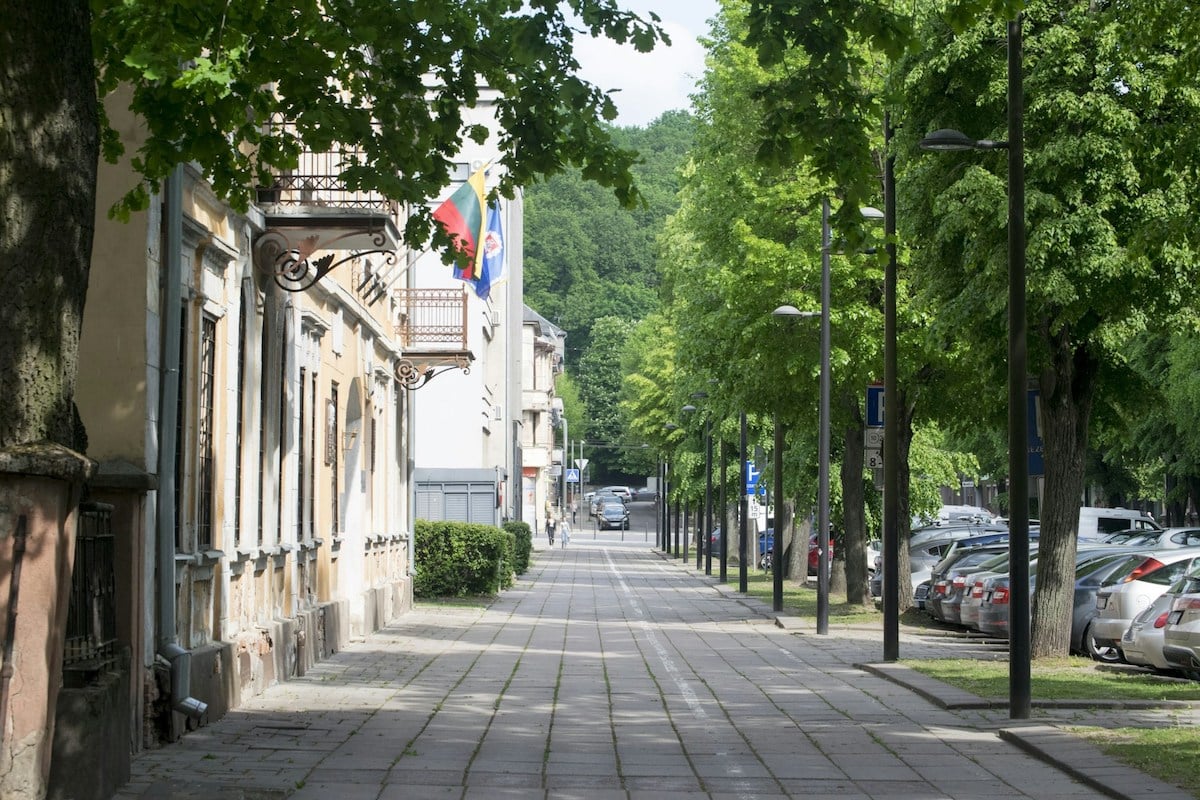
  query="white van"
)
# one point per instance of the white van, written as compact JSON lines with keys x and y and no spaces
{"x":1096,"y":523}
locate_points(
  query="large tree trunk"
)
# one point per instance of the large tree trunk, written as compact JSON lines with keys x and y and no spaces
{"x":48,"y":159}
{"x":854,"y":540}
{"x":1067,"y":386}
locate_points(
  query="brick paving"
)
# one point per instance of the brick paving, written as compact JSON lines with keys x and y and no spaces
{"x":610,"y":671}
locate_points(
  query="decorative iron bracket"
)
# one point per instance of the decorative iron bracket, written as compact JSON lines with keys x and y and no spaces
{"x":417,"y":369}
{"x":292,"y":268}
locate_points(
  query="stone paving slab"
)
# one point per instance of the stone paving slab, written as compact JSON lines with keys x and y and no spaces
{"x":617,"y":672}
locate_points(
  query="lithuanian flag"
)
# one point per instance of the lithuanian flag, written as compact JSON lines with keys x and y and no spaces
{"x":462,"y":216}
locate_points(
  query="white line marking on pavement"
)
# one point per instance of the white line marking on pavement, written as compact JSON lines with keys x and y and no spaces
{"x":685,"y":689}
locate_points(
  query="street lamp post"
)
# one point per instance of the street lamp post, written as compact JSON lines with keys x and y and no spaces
{"x":723,"y":544}
{"x":708,"y":504}
{"x":783,"y":312}
{"x":744,"y":508}
{"x":1019,"y":649}
{"x":666,"y":496}
{"x":823,"y":435}
{"x":777,"y":539}
{"x":891,"y":422}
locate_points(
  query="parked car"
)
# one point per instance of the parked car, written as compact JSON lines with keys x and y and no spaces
{"x":623,"y":492}
{"x":948,"y":579}
{"x":614,"y":515}
{"x":1181,"y":636}
{"x":993,"y":606}
{"x":765,"y":555}
{"x":1097,"y":523}
{"x":1142,"y":642}
{"x":1165,"y":539}
{"x":1090,"y":575}
{"x":644,"y":493}
{"x":968,"y":611}
{"x":600,"y":498}
{"x":928,"y":546}
{"x":1093,"y":566}
{"x":1117,"y":604}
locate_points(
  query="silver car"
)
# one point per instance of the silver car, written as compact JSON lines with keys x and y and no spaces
{"x":1117,"y":604}
{"x":1142,"y":642}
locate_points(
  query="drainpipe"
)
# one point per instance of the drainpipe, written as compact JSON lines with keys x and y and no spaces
{"x":168,"y":639}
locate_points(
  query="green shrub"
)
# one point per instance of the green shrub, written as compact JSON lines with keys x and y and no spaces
{"x":524,"y":544}
{"x":456,"y":559}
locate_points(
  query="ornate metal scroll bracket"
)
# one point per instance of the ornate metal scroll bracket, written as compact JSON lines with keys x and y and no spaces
{"x":414,"y":371}
{"x":291,"y":264}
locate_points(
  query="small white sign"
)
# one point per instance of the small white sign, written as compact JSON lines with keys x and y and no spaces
{"x":873,"y":438}
{"x":874,"y":459}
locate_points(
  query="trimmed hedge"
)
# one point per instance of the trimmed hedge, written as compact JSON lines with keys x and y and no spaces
{"x":457,"y":559}
{"x":523,"y":545}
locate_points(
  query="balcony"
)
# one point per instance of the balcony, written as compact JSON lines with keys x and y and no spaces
{"x":432,"y":330}
{"x":314,"y":222}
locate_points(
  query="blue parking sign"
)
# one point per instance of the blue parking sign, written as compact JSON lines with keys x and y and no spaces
{"x":875,"y":406}
{"x":751,"y":477}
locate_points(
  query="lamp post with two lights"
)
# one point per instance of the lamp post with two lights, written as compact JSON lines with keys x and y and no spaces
{"x":1019,"y":650}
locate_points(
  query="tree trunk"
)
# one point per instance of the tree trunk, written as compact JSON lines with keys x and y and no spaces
{"x":48,"y":161}
{"x":798,"y":563}
{"x":785,"y":522}
{"x":853,"y":553}
{"x":1066,"y":402}
{"x":903,"y":515}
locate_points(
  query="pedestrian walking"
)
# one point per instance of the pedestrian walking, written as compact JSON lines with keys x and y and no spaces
{"x":550,"y":529}
{"x":564,"y":532}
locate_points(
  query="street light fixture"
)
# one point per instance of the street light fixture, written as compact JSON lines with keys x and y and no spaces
{"x":1019,"y":651}
{"x":666,"y":496}
{"x":867,"y":213}
{"x":785,"y":312}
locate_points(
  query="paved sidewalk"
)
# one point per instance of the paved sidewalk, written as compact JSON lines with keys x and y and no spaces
{"x":610,"y":671}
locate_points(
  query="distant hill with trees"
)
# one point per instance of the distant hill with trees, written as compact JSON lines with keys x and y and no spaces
{"x":590,"y":261}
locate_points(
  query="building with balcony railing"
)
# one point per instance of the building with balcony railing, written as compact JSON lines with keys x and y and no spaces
{"x":247,"y":382}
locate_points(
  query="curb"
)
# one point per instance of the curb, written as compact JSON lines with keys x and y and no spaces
{"x":1087,"y":764}
{"x":1052,"y":745}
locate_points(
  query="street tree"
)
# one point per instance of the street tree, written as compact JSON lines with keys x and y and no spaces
{"x":392,"y":80}
{"x":1109,"y":147}
{"x":747,"y":240}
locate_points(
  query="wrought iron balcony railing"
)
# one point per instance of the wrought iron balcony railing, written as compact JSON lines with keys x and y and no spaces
{"x":433,"y":334}
{"x":432,"y":316}
{"x":317,"y":182}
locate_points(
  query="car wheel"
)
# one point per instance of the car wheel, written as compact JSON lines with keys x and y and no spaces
{"x":1105,"y":654}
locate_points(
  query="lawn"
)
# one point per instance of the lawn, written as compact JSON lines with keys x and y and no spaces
{"x":1171,"y":754}
{"x":800,"y":600}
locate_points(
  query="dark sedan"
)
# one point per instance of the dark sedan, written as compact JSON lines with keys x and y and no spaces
{"x":614,"y":516}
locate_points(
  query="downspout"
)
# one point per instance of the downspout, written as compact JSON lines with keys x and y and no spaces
{"x":168,"y":639}
{"x":410,"y":455}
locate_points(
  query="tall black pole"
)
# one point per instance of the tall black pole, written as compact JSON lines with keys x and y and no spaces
{"x":744,"y":510}
{"x":687,"y":521}
{"x":708,"y":504}
{"x":777,"y":545}
{"x":677,"y":516}
{"x":724,"y":543}
{"x":667,"y":507}
{"x":1019,"y":649}
{"x":823,"y":436}
{"x":657,"y":507}
{"x":891,"y":415}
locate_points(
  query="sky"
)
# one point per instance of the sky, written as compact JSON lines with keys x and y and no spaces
{"x":654,"y":82}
